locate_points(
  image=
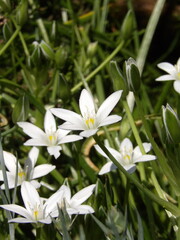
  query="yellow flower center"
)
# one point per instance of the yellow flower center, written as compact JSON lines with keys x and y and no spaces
{"x":36,"y":213}
{"x":89,"y":121}
{"x":52,"y":139}
{"x":21,"y":174}
{"x":178,"y":75}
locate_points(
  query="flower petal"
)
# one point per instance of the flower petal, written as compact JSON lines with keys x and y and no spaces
{"x":70,"y":138}
{"x":17,"y":209}
{"x":37,"y":142}
{"x":108,"y":167}
{"x":67,"y":115}
{"x":86,"y":103}
{"x":166,"y":77}
{"x":130,"y":168}
{"x":145,"y":158}
{"x":108,"y":105}
{"x":82,"y":209}
{"x":167,"y":67}
{"x":88,"y":133}
{"x":31,"y":160}
{"x":49,"y":123}
{"x":62,"y":133}
{"x":126,"y":145}
{"x":110,"y":120}
{"x":30,"y":196}
{"x":31,"y":130}
{"x":177,"y":86}
{"x":54,"y":150}
{"x":72,"y":126}
{"x":42,"y":170}
{"x":22,"y":220}
{"x":82,"y":195}
{"x":11,"y":162}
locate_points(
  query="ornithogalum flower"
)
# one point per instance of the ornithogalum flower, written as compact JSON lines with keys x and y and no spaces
{"x":73,"y":205}
{"x":173,"y":73}
{"x":89,"y":121}
{"x":51,"y":138}
{"x":126,"y":156}
{"x":36,"y":209}
{"x":28,"y":173}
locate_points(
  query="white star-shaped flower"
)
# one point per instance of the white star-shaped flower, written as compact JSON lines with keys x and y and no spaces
{"x":28,"y":173}
{"x":173,"y":73}
{"x":36,"y":209}
{"x":89,"y":121}
{"x":51,"y":138}
{"x":126,"y":156}
{"x":73,"y":205}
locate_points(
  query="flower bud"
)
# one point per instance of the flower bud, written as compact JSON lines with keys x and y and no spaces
{"x":35,"y":58}
{"x":91,"y":50}
{"x":127,"y":25}
{"x":61,"y":56}
{"x":132,"y":75}
{"x":119,"y":81}
{"x":171,"y":124}
{"x":22,"y":12}
{"x":47,"y":50}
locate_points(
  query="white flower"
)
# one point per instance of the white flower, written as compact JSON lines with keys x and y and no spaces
{"x":36,"y":209}
{"x":89,"y":121}
{"x":173,"y":73}
{"x":50,"y":138}
{"x":28,"y":173}
{"x":73,"y":205}
{"x":126,"y":156}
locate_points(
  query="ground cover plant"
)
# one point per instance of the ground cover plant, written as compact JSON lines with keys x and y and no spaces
{"x":89,"y":120}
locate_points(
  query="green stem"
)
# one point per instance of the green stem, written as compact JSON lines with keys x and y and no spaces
{"x":169,"y":206}
{"x":3,"y":49}
{"x":137,"y":137}
{"x":93,"y":73}
{"x":153,"y":21}
{"x":161,"y":158}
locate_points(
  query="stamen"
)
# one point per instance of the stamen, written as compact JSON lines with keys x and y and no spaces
{"x":89,"y":121}
{"x":21,"y":174}
{"x":36,"y":213}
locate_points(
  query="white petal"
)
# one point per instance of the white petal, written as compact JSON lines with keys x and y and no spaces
{"x":108,"y":105}
{"x":110,"y":120}
{"x":21,"y":220}
{"x":48,"y":220}
{"x":108,"y":167}
{"x":137,"y":152}
{"x":42,"y":170}
{"x":83,"y":209}
{"x":177,"y":86}
{"x":83,"y":195}
{"x":113,"y":152}
{"x":167,"y":67}
{"x":130,"y":100}
{"x":11,"y":162}
{"x":17,"y":209}
{"x":166,"y":77}
{"x":126,"y":145}
{"x":86,"y":103}
{"x":70,"y":138}
{"x":147,"y":147}
{"x":11,"y":177}
{"x":88,"y":133}
{"x":67,"y":115}
{"x":54,"y":150}
{"x":37,"y":142}
{"x":30,"y":196}
{"x":130,"y":168}
{"x":145,"y":158}
{"x":49,"y":123}
{"x":71,"y":126}
{"x":51,"y":203}
{"x":31,"y":130}
{"x":62,"y":133}
{"x":31,"y":160}
{"x":35,"y":183}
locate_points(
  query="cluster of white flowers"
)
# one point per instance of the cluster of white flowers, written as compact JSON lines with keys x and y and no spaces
{"x":42,"y":210}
